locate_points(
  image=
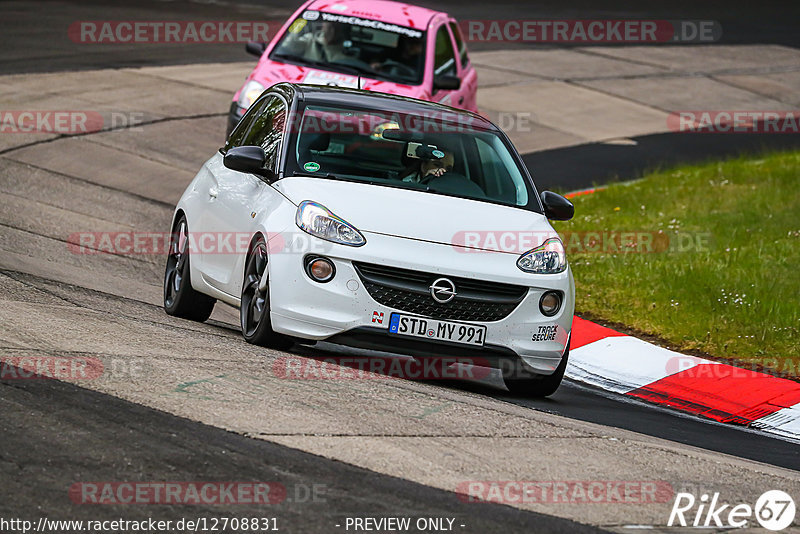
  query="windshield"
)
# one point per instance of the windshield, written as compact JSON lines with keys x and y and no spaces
{"x":354,"y":45}
{"x":441,"y":153}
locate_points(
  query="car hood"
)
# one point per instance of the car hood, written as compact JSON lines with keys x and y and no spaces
{"x":423,"y":216}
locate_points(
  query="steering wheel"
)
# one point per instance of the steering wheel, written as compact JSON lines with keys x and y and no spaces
{"x":430,"y":176}
{"x":350,"y":61}
{"x":396,"y":68}
{"x":457,"y":184}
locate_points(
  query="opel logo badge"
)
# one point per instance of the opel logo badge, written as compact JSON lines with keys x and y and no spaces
{"x":443,"y":290}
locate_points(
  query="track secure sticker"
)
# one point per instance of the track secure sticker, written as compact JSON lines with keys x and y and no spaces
{"x":311,"y":15}
{"x":438,"y":154}
{"x":311,"y":166}
{"x":545,"y":333}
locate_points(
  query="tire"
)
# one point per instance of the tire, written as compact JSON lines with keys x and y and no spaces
{"x":538,"y":385}
{"x":254,"y":309}
{"x":180,"y":298}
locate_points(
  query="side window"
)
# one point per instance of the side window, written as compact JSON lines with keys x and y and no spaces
{"x":272,"y":145}
{"x":240,"y":130}
{"x":502,"y":180}
{"x":444,"y":61}
{"x":266,"y":130}
{"x":461,"y":46}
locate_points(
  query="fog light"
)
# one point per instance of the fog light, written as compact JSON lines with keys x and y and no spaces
{"x":320,"y":269}
{"x":550,"y":303}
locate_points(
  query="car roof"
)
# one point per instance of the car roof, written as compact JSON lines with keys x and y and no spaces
{"x":342,"y":96}
{"x":382,"y":10}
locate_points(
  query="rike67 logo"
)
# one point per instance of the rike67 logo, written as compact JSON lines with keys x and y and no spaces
{"x":774,"y":510}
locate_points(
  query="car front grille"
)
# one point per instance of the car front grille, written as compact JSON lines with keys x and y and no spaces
{"x":409,"y":291}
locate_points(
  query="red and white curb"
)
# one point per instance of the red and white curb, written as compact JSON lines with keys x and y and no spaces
{"x":581,"y":192}
{"x":623,"y":364}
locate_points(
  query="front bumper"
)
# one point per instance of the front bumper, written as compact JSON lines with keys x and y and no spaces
{"x":343,"y":311}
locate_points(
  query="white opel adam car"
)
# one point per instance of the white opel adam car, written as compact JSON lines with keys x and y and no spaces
{"x":380,"y":222}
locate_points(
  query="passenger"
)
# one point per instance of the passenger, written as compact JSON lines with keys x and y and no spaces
{"x":408,"y":58}
{"x":325,"y":44}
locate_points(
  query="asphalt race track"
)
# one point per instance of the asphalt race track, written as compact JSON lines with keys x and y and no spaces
{"x":131,"y":440}
{"x":185,"y":401}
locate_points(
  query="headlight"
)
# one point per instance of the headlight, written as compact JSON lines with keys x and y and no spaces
{"x":249,"y":93}
{"x":548,"y":258}
{"x":318,"y":221}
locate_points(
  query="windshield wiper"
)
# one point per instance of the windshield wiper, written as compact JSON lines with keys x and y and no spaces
{"x":364,"y":71}
{"x":326,"y":65}
{"x":329,"y":176}
{"x":297,"y":58}
{"x":389,"y":183}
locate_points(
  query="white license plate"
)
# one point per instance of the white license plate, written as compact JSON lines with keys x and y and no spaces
{"x":411,"y":326}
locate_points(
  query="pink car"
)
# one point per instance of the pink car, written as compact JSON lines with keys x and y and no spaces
{"x":377,"y":45}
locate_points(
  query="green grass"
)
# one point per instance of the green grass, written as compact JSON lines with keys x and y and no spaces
{"x":737,"y":296}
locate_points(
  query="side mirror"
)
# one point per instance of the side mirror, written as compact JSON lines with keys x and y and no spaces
{"x":446,"y":83}
{"x":556,"y":207}
{"x":249,"y":159}
{"x":257,"y":49}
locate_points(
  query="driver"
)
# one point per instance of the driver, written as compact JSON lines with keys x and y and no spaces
{"x":410,"y":50}
{"x":427,"y":169}
{"x":325,"y":44}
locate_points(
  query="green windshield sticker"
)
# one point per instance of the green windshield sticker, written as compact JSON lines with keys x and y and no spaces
{"x":311,"y":166}
{"x":438,"y":154}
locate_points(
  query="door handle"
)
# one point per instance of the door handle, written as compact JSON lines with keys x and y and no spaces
{"x":213,"y":192}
